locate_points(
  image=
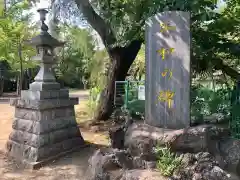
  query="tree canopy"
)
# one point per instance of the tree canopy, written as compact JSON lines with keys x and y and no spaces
{"x":120,"y":24}
{"x":14,"y":32}
{"x":76,"y":56}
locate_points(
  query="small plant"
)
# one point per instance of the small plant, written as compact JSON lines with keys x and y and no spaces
{"x":167,"y":162}
{"x":93,"y":100}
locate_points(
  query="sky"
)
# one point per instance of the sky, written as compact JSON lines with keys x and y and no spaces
{"x":45,"y":4}
{"x":41,"y":4}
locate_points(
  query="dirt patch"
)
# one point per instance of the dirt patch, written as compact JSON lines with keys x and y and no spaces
{"x":6,"y":117}
{"x":71,"y":167}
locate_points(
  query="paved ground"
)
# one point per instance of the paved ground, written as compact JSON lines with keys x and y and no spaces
{"x":71,"y":167}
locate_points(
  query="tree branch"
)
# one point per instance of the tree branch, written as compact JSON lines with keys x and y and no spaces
{"x":103,"y":29}
{"x":219,"y":65}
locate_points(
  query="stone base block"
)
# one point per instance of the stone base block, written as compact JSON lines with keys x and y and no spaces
{"x":41,"y":95}
{"x":43,"y":104}
{"x":41,"y":86}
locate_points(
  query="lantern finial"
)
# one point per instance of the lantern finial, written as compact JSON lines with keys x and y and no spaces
{"x":43,"y":13}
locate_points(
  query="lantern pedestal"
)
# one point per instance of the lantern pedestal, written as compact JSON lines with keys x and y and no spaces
{"x":43,"y":129}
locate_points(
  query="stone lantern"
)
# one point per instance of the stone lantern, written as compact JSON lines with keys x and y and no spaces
{"x":44,"y":126}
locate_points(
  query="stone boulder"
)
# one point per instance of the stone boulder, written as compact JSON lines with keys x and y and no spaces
{"x":140,"y":138}
{"x":117,"y":133}
{"x":137,"y":174}
{"x":96,"y":170}
{"x":229,"y":150}
{"x":116,"y":136}
{"x":200,"y":166}
{"x":205,"y":151}
{"x":108,"y":164}
{"x":238,"y":169}
{"x":105,"y":160}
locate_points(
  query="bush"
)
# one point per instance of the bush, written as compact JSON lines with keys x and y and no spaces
{"x":167,"y":162}
{"x":137,"y":108}
{"x":205,"y":102}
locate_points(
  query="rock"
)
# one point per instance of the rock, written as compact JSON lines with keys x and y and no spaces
{"x":116,"y":134}
{"x":97,"y":165}
{"x":204,"y":157}
{"x":137,"y":174}
{"x":117,"y":137}
{"x":187,"y":159}
{"x":150,"y":164}
{"x":192,"y":140}
{"x":119,"y":115}
{"x":105,"y":160}
{"x":216,"y":173}
{"x":108,"y":160}
{"x":229,"y":150}
{"x":139,"y":160}
{"x":123,"y":158}
{"x":200,"y":166}
{"x":139,"y":141}
{"x":238,"y":169}
{"x":138,"y":163}
{"x":140,"y":138}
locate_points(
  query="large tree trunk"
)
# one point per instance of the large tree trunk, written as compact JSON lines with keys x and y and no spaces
{"x":121,"y":59}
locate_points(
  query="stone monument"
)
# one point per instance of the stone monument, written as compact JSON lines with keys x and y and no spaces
{"x":44,"y":125}
{"x":168,"y":70}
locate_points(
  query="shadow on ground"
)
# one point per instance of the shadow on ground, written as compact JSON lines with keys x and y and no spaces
{"x":70,"y":167}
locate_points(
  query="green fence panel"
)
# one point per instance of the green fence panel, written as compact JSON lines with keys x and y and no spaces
{"x":235,"y":120}
{"x":126,"y":95}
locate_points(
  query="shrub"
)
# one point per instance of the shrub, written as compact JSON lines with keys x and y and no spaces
{"x":137,"y":108}
{"x":167,"y":162}
{"x":205,"y":102}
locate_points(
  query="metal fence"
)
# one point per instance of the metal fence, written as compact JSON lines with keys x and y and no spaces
{"x":126,"y":92}
{"x":234,"y":123}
